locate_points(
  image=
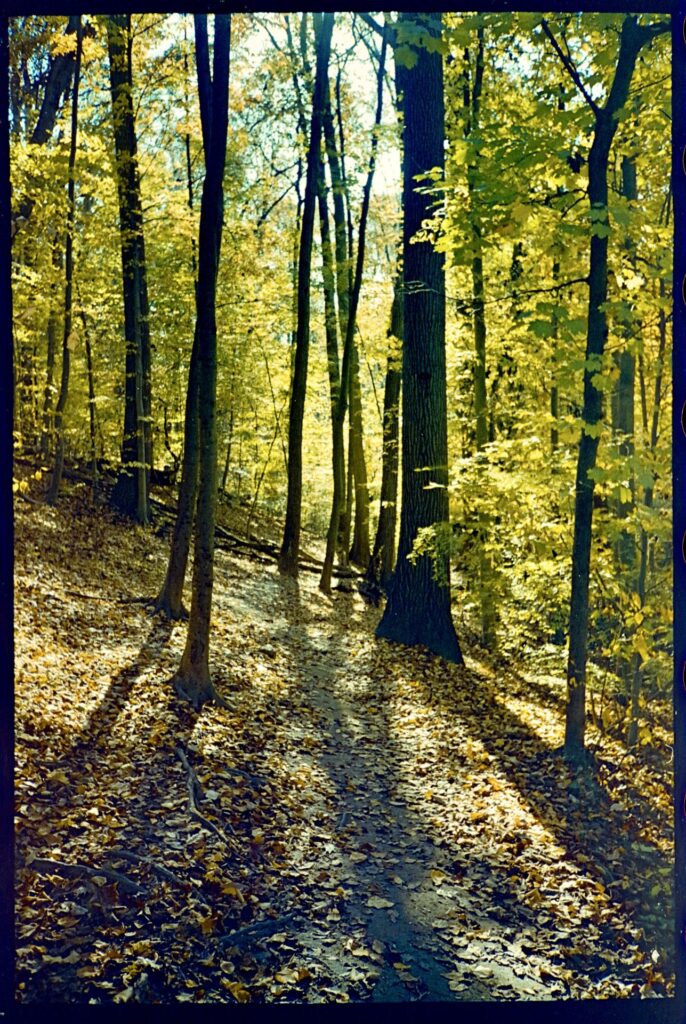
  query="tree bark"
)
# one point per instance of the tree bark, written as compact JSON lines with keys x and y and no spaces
{"x":633,"y":38}
{"x":192,"y":680}
{"x":338,"y":412}
{"x":290,"y":547}
{"x":67,"y":341}
{"x":624,"y":394}
{"x":169,"y":601}
{"x":381,"y":562}
{"x":130,"y":494}
{"x":472,"y":102}
{"x":418,"y":607}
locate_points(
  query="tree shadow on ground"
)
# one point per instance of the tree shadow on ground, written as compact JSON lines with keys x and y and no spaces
{"x":595,"y":833}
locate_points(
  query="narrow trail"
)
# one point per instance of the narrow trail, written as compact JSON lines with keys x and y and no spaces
{"x":394,"y":828}
{"x":376,"y":842}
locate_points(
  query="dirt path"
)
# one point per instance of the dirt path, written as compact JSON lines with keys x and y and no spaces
{"x":396,"y":829}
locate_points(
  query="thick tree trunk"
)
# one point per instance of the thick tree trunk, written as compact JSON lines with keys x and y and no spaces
{"x":633,"y":37}
{"x":192,"y":680}
{"x":290,"y":547}
{"x":67,"y":343}
{"x":418,"y":607}
{"x":130,"y":495}
{"x":381,"y":562}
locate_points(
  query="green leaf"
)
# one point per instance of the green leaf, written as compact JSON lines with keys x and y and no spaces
{"x":406,"y":56}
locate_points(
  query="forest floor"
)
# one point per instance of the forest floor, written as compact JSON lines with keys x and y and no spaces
{"x":372,"y":824}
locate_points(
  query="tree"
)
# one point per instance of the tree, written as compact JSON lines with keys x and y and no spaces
{"x":290,"y":547}
{"x":418,"y":607}
{"x":68,"y":338}
{"x":634,"y":36}
{"x":347,"y":377}
{"x":383,"y":554}
{"x":130,"y":495}
{"x":192,"y":681}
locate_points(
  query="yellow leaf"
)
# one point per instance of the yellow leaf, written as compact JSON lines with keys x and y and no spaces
{"x":239,"y":992}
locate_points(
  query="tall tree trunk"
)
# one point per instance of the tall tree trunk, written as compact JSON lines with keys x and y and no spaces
{"x":623,"y":395}
{"x":91,"y":396}
{"x":418,"y":607}
{"x":290,"y":547}
{"x":57,"y":85}
{"x":633,"y":38}
{"x":169,"y":601}
{"x":554,"y":387}
{"x":359,"y":552}
{"x":381,"y":562}
{"x":192,"y":680}
{"x":130,"y":495}
{"x":472,"y":102}
{"x":338,"y":412}
{"x":67,"y":342}
{"x":636,"y":660}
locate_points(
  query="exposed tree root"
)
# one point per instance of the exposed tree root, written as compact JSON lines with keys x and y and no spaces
{"x":258,"y":930}
{"x":196,"y":795}
{"x":163,"y":606}
{"x":137,"y":858}
{"x":43,"y":866}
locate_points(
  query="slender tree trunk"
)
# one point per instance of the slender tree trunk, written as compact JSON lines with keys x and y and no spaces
{"x":359,"y":552}
{"x":623,"y":396}
{"x":472,"y":102}
{"x":381,"y":562}
{"x":288,"y":556}
{"x":130,"y":495}
{"x":67,"y":342}
{"x":554,"y":389}
{"x":91,"y":396}
{"x":636,"y":661}
{"x":192,"y":680}
{"x":57,"y":85}
{"x":338,"y":411}
{"x":169,"y":601}
{"x":633,"y":37}
{"x":418,"y":606}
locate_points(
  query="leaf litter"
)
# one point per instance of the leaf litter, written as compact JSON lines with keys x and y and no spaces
{"x":372,"y":824}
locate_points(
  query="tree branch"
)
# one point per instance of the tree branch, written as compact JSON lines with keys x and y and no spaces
{"x":571,"y":70}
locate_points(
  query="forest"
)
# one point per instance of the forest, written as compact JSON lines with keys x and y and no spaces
{"x":342,"y":506}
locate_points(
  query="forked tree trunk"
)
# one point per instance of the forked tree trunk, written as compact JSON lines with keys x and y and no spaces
{"x":192,"y":680}
{"x":418,"y":607}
